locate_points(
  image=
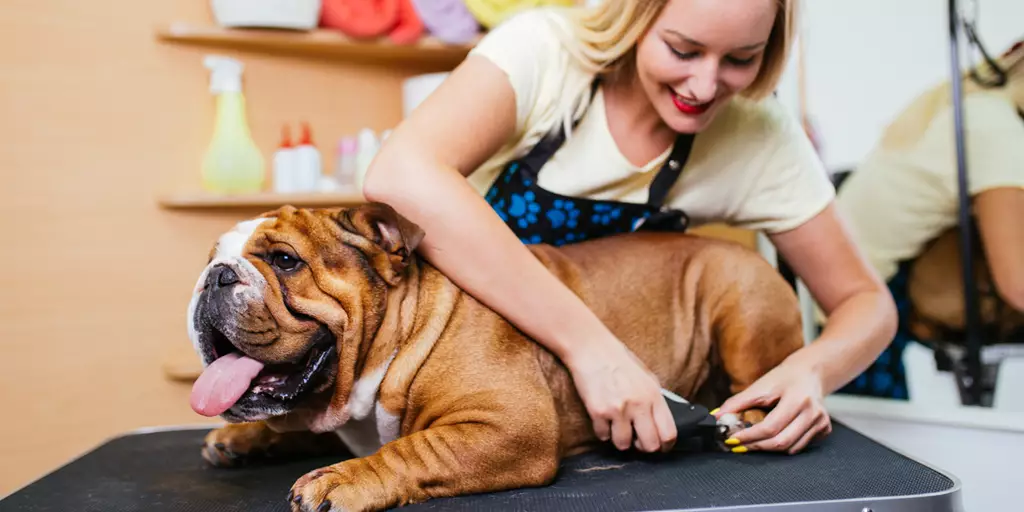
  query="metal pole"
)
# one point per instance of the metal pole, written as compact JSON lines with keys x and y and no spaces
{"x":973,"y":356}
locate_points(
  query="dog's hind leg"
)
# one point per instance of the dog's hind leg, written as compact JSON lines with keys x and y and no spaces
{"x":756,"y":327}
{"x":238,"y":444}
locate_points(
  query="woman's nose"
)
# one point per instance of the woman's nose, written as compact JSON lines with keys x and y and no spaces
{"x":704,"y":82}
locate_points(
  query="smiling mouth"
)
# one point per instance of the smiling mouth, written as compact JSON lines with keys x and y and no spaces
{"x":233,"y":376}
{"x":688,"y":106}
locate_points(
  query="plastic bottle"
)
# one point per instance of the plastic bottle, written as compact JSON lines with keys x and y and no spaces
{"x":232,"y":163}
{"x":345,"y":163}
{"x":308,"y":164}
{"x":284,"y":164}
{"x":368,"y":146}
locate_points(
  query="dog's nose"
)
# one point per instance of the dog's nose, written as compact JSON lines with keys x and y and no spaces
{"x":225,"y":276}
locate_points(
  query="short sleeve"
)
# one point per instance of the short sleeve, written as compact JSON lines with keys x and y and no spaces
{"x":792,"y":185}
{"x":527,"y":49}
{"x":993,"y":139}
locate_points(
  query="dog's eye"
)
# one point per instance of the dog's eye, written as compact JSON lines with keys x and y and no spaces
{"x":284,"y":261}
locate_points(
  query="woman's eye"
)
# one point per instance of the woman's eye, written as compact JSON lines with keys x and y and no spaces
{"x":284,"y":261}
{"x":741,"y":62}
{"x":681,"y":55}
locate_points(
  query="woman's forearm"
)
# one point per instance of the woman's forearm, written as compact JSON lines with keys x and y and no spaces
{"x":470,"y":244}
{"x":858,"y":330}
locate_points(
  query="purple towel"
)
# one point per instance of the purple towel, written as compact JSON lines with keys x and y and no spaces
{"x":447,"y":20}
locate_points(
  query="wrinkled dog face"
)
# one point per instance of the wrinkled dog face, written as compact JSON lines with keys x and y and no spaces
{"x":280,"y":297}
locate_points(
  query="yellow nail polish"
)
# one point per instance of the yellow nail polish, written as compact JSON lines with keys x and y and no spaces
{"x":714,"y":412}
{"x":740,"y":449}
{"x":732,"y":441}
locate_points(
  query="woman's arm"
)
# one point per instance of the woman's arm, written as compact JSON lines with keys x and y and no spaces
{"x":862,"y":322}
{"x":420,"y":171}
{"x":999,"y":212}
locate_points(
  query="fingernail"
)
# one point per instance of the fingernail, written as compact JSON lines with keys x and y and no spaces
{"x":714,"y":412}
{"x":732,"y":441}
{"x":740,"y":449}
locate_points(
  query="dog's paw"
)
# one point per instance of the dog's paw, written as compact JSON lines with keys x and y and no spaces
{"x":239,"y":444}
{"x":336,"y":488}
{"x":730,"y":424}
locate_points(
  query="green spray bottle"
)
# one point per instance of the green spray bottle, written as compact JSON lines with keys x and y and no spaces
{"x":233,"y":163}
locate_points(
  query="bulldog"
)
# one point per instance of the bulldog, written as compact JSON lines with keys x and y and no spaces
{"x":322,"y":332}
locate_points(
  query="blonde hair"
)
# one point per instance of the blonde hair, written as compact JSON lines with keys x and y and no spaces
{"x":603,"y":40}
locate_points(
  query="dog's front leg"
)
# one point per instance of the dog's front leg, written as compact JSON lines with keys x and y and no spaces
{"x":441,"y":461}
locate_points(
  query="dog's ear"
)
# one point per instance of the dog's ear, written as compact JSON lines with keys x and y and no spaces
{"x":381,"y":224}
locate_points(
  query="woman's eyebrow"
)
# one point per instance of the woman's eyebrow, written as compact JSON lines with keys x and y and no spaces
{"x":702,"y":45}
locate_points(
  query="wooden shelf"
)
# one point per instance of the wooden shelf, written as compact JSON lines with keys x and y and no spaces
{"x":428,"y":52}
{"x":268,"y":200}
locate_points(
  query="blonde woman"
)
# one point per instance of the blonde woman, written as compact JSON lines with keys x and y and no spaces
{"x":569,"y":124}
{"x":904,"y":197}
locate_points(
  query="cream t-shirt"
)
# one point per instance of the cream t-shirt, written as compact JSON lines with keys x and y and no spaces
{"x":752,"y":167}
{"x":905,"y":193}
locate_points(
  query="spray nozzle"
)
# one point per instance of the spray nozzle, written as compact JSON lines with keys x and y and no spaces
{"x":226,"y":73}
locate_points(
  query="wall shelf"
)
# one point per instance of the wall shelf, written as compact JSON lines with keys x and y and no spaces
{"x":428,"y":52}
{"x":268,"y":200}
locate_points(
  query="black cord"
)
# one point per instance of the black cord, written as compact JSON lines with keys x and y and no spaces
{"x":973,"y":378}
{"x":1000,"y":78}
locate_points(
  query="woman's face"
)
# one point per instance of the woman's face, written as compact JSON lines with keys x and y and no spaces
{"x":699,"y":53}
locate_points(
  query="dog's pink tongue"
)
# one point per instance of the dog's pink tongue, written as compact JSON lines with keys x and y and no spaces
{"x":222,"y":383}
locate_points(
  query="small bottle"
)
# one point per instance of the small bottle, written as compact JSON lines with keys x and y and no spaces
{"x":345,"y":163}
{"x":309,"y":166}
{"x":367,"y":149}
{"x":284,"y":164}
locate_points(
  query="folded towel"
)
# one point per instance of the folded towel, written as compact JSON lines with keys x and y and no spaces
{"x":361,"y":18}
{"x":410,"y":27}
{"x":492,"y":12}
{"x":448,"y":20}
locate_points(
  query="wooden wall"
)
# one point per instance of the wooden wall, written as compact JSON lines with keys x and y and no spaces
{"x":96,"y":119}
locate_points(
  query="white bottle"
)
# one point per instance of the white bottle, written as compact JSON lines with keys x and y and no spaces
{"x":368,"y":146}
{"x":284,"y":164}
{"x":345,"y":163}
{"x":309,"y":166}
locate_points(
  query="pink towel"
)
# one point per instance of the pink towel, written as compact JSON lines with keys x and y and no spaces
{"x":410,"y":26}
{"x":448,"y":20}
{"x":361,"y":18}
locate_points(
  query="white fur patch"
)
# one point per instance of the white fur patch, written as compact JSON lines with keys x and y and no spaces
{"x":387,"y":424}
{"x":228,"y":250}
{"x":369,"y":426}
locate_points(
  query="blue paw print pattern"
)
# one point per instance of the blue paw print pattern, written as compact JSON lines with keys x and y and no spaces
{"x":564,"y":213}
{"x":605,"y":213}
{"x":524,"y":208}
{"x":499,"y":208}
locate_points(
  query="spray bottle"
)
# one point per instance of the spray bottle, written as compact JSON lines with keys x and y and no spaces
{"x":233,"y":163}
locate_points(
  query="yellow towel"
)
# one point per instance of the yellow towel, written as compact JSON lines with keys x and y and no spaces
{"x":492,"y":12}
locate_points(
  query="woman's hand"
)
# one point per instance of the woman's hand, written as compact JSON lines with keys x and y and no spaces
{"x":622,"y":397}
{"x":799,"y":416}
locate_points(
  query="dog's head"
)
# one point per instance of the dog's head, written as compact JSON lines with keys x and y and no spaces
{"x":288,"y":303}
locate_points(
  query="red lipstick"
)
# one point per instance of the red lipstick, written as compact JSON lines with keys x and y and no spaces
{"x":686,"y":108}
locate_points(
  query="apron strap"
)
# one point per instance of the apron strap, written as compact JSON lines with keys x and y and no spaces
{"x":670,"y":170}
{"x":549,"y":144}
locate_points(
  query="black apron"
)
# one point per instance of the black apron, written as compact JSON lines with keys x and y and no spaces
{"x":538,"y":216}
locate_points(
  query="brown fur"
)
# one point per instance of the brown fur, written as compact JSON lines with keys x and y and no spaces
{"x":482,"y":407}
{"x":935,"y":289}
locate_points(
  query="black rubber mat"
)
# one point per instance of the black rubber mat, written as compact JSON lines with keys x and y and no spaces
{"x":163,"y":471}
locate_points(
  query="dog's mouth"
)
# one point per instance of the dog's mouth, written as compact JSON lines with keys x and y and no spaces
{"x":233,"y":377}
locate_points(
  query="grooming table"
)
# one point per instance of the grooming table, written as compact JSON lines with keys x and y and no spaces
{"x":158,"y":471}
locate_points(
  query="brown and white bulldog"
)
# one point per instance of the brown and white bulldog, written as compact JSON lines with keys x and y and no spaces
{"x":321,"y":331}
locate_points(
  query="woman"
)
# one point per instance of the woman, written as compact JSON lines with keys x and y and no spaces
{"x":903,"y":199}
{"x":632,"y":93}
